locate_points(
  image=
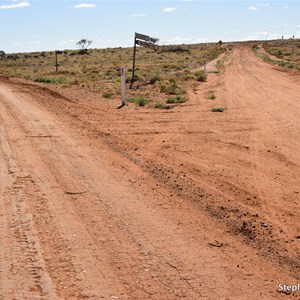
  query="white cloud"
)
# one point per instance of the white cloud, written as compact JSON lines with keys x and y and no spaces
{"x":34,"y":42}
{"x":136,"y":15}
{"x":253,"y":8}
{"x":85,"y":5}
{"x":16,"y":5}
{"x":286,"y":7}
{"x":298,"y":26}
{"x":169,"y":9}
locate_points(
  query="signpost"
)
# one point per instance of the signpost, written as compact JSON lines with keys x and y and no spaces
{"x":31,"y":68}
{"x":144,"y":41}
{"x":123,"y":86}
{"x":56,"y":62}
{"x":205,"y":71}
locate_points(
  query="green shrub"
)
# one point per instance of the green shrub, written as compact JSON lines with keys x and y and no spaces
{"x":139,"y":100}
{"x":107,"y":95}
{"x":153,"y":79}
{"x":177,"y":99}
{"x":43,"y":79}
{"x":162,"y":88}
{"x":171,"y":87}
{"x":217,"y":109}
{"x":59,"y":80}
{"x":200,"y":76}
{"x":162,"y":105}
{"x":212,"y":96}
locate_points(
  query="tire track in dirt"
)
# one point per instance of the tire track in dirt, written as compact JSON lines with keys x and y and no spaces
{"x":64,"y":258}
{"x":22,"y":273}
{"x":158,"y":271}
{"x":142,"y":237}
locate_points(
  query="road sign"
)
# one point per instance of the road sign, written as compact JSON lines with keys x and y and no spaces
{"x":147,"y":45}
{"x":144,"y":41}
{"x":143,"y":37}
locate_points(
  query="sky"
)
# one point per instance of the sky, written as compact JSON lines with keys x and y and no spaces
{"x":41,"y":25}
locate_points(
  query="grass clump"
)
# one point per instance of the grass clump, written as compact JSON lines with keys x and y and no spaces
{"x":217,"y":109}
{"x":43,"y":79}
{"x":177,"y":99}
{"x":200,"y":76}
{"x":171,"y":87}
{"x":107,"y":95}
{"x":161,"y":105}
{"x":212,"y":96}
{"x":58,"y":80}
{"x":139,"y":100}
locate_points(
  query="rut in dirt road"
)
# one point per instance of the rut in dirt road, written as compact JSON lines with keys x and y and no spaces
{"x":87,"y":218}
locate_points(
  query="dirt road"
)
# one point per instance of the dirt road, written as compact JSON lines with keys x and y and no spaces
{"x":140,"y":203}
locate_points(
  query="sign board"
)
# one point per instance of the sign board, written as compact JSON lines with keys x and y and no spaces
{"x":144,"y":41}
{"x":145,"y":38}
{"x":147,"y":45}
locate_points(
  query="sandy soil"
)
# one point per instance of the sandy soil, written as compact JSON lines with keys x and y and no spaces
{"x":141,"y":203}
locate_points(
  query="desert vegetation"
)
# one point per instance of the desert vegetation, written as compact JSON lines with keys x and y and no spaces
{"x":166,"y":73}
{"x":283,"y":53}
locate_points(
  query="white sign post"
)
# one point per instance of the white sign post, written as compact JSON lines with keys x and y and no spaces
{"x":205,"y":71}
{"x":31,"y":67}
{"x":123,"y":86}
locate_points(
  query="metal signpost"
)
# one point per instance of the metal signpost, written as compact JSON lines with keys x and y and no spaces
{"x":144,"y":41}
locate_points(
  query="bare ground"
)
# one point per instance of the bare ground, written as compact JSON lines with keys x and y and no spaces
{"x":140,"y":203}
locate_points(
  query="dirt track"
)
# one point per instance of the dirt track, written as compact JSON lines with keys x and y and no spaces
{"x":140,"y":203}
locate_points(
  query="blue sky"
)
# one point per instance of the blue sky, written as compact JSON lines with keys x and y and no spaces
{"x":47,"y":25}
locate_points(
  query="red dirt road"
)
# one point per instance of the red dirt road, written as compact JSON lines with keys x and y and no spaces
{"x":140,"y":203}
